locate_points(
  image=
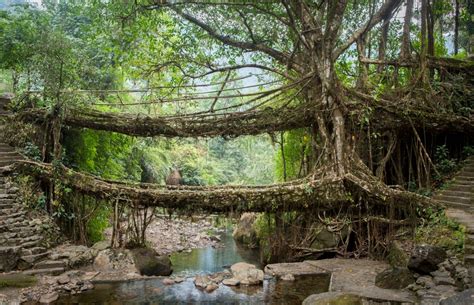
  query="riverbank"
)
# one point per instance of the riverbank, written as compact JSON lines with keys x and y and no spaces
{"x":171,"y":234}
{"x":166,"y":235}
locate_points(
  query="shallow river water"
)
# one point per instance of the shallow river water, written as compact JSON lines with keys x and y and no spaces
{"x":199,"y":261}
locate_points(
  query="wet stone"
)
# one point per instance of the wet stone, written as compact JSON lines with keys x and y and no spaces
{"x":231,"y":282}
{"x":168,"y":282}
{"x":49,"y":298}
{"x":211,"y":287}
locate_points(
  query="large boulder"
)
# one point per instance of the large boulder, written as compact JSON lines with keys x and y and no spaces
{"x":9,"y":257}
{"x":396,"y":278}
{"x":148,"y":262}
{"x":333,"y":298}
{"x":247,"y":274}
{"x":425,"y":258}
{"x":245,"y":231}
{"x":114,"y":259}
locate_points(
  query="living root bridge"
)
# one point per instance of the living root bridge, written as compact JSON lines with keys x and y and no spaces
{"x":388,"y":115}
{"x":233,"y":124}
{"x":330,"y":193}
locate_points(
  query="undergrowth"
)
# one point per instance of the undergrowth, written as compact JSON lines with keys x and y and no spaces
{"x":437,"y":229}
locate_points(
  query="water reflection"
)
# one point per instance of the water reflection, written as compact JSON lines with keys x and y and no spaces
{"x":154,"y":292}
{"x":211,"y":260}
{"x":208,"y":260}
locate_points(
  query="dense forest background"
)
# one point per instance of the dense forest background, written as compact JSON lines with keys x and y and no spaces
{"x":64,"y":46}
{"x":117,"y":56}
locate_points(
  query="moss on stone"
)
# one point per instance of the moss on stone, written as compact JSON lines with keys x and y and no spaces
{"x":16,"y":280}
{"x":397,"y":257}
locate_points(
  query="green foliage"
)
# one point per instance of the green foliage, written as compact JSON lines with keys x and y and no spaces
{"x":444,"y":164}
{"x":108,"y":155}
{"x":296,"y":146}
{"x":29,"y":193}
{"x":440,"y":230}
{"x":32,"y":151}
{"x":98,"y":223}
{"x":467,"y":151}
{"x":264,"y":227}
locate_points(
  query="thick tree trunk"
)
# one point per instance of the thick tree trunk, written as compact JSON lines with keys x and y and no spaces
{"x":337,"y":145}
{"x":406,"y":48}
{"x":456,"y":27}
{"x":424,"y":47}
{"x":383,"y":43}
{"x":430,"y":28}
{"x":470,"y":27}
{"x":362,"y":80}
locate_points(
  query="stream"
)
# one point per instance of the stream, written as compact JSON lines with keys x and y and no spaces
{"x":203,"y":261}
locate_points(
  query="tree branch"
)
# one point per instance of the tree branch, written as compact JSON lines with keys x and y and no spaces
{"x":258,"y":47}
{"x":387,"y":8}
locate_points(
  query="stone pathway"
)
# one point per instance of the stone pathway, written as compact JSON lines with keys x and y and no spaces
{"x":21,"y":240}
{"x":458,"y":197}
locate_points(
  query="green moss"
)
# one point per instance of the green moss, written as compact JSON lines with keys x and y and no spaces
{"x":441,"y":231}
{"x":16,"y":280}
{"x":397,"y":257}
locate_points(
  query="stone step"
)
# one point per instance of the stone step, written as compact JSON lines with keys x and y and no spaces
{"x":469,"y":249}
{"x":7,"y":201}
{"x":4,"y":228}
{"x":6,"y":148}
{"x":31,"y":259}
{"x":469,"y":260}
{"x":12,"y":217}
{"x":454,"y":193}
{"x":12,"y":242}
{"x":29,"y":239}
{"x":48,"y":264}
{"x":48,"y":271}
{"x":468,"y":168}
{"x":469,"y":239}
{"x":7,"y":163}
{"x":33,"y":251}
{"x":8,"y":153}
{"x":7,"y":196}
{"x":8,"y":190}
{"x":464,"y":178}
{"x":22,"y":228}
{"x":7,"y":249}
{"x":464,"y":183}
{"x":5,"y":206}
{"x":461,"y":206}
{"x":23,"y":234}
{"x":455,"y":199}
{"x":8,"y":160}
{"x":9,"y":157}
{"x":17,"y":222}
{"x":10,"y":210}
{"x":461,"y":187}
{"x":30,"y":244}
{"x":467,"y":172}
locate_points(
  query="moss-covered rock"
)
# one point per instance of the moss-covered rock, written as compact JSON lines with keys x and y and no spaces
{"x":397,"y":256}
{"x":16,"y":280}
{"x":148,"y":262}
{"x":245,"y":231}
{"x":396,"y":278}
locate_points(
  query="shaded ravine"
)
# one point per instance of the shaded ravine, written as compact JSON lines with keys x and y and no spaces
{"x":199,"y":261}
